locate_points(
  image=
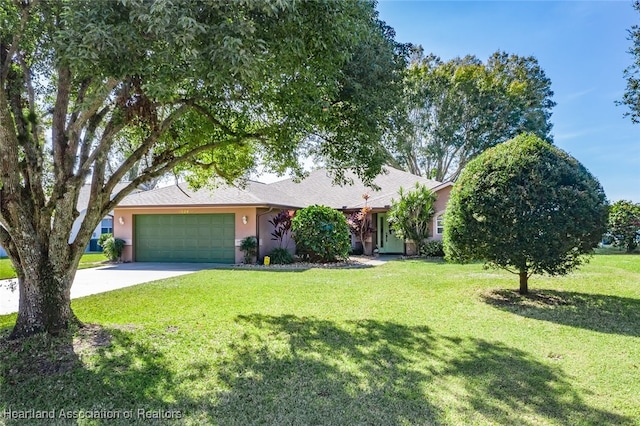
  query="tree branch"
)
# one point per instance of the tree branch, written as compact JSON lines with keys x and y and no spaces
{"x":24,"y":17}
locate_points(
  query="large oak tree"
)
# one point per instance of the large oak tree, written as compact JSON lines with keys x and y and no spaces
{"x":90,"y":90}
{"x":457,"y":109}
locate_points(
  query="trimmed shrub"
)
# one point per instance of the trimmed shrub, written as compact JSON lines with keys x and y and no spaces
{"x":249,"y":248}
{"x":527,"y":207}
{"x":433,"y":248}
{"x":111,"y":247}
{"x":321,"y":234}
{"x":281,"y":256}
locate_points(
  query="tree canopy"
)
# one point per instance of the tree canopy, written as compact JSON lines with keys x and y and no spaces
{"x":624,"y":224}
{"x":458,"y":108}
{"x":91,"y":90}
{"x":525,"y":206}
{"x":631,"y":97}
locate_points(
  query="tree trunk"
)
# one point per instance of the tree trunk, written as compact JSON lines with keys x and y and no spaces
{"x":524,"y":282}
{"x":45,"y":298}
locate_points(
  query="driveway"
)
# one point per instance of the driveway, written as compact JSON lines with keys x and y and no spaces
{"x":111,"y":277}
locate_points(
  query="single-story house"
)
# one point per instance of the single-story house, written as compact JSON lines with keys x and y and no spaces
{"x":177,"y":224}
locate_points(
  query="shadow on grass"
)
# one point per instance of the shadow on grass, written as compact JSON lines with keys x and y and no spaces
{"x":293,"y":370}
{"x":47,"y":375}
{"x":509,"y":386}
{"x":602,"y":313}
{"x":289,"y":370}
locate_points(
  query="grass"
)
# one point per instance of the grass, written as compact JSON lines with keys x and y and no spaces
{"x":611,"y":249}
{"x":89,"y":260}
{"x":409,"y":342}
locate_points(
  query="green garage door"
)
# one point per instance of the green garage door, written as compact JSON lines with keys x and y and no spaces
{"x":185,"y":238}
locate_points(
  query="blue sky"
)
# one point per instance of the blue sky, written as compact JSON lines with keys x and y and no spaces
{"x":582,"y":47}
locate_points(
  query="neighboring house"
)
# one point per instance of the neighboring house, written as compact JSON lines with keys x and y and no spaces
{"x":106,"y":224}
{"x":177,"y":224}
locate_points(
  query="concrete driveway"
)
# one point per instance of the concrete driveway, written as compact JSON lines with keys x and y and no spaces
{"x":111,"y":277}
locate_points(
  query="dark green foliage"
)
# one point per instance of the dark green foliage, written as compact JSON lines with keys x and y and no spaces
{"x":321,"y":234}
{"x":432,"y":248}
{"x":631,"y":97}
{"x":525,"y":206}
{"x":249,"y":247}
{"x":410,"y":216}
{"x":111,"y":247}
{"x":281,"y":256}
{"x":624,"y":225}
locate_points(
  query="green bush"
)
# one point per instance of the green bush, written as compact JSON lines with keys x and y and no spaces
{"x":433,"y":248}
{"x":525,"y":206}
{"x":410,"y":216}
{"x":321,"y":234}
{"x":102,"y":238}
{"x":281,"y":256}
{"x":249,"y":247}
{"x":111,"y":247}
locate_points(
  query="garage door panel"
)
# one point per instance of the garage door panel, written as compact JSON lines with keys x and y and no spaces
{"x":185,"y":238}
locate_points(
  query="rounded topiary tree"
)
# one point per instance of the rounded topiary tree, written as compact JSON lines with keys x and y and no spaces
{"x":525,"y":206}
{"x":321,"y":234}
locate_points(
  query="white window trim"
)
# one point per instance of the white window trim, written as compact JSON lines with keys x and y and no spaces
{"x":435,"y":222}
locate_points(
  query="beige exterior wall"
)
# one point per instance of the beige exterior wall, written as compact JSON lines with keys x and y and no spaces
{"x":125,"y":230}
{"x":440,"y":207}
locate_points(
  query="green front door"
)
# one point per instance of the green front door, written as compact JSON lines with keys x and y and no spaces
{"x":185,"y":238}
{"x":387,"y":240}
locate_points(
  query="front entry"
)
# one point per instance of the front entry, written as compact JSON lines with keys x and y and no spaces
{"x":386,"y":239}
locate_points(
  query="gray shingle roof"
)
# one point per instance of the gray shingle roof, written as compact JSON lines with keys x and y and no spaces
{"x":85,"y":194}
{"x":317,"y":188}
{"x":255,"y":194}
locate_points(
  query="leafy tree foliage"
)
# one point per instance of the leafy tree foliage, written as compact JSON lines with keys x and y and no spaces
{"x":411,"y":216}
{"x":321,"y":234}
{"x":631,"y":97}
{"x":205,"y":89}
{"x":624,"y":224}
{"x":527,"y":207}
{"x":459,"y":108}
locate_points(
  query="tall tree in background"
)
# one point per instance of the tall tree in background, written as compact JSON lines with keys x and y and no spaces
{"x":459,"y":108}
{"x":624,"y":224}
{"x":631,"y":97}
{"x":207,"y":89}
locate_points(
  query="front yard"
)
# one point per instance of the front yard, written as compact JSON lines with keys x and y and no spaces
{"x":88,"y":260}
{"x":408,"y":342}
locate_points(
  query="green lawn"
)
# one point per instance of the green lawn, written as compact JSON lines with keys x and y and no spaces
{"x":408,"y":342}
{"x":89,"y":260}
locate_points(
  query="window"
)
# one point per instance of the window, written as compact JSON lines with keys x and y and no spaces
{"x":106,"y":226}
{"x":440,"y":224}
